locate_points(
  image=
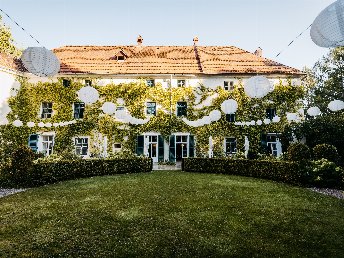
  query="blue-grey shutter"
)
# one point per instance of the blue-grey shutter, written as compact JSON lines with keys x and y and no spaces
{"x":160,"y":148}
{"x":264,"y":142}
{"x":140,"y":145}
{"x":33,"y":142}
{"x":172,"y":154}
{"x":191,"y":146}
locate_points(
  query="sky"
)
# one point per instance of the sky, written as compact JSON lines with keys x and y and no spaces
{"x":247,"y":24}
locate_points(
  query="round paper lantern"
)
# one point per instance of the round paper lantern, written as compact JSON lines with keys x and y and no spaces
{"x":121,"y":114}
{"x":40,"y":61}
{"x":313,"y":111}
{"x":41,"y":124}
{"x":328,"y":27}
{"x":30,"y":124}
{"x":56,"y":124}
{"x":336,"y":105}
{"x":257,"y":87}
{"x":48,"y":125}
{"x":229,"y":106}
{"x":109,"y":108}
{"x":215,"y":115}
{"x":206,"y":120}
{"x":253,"y":122}
{"x":17,"y":123}
{"x":291,"y":116}
{"x":267,"y":121}
{"x":259,"y":122}
{"x":276,"y":119}
{"x":88,"y":94}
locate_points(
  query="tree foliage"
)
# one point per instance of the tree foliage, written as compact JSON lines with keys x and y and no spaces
{"x":6,"y":41}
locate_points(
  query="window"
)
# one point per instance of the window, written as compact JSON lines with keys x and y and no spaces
{"x":47,"y":144}
{"x":151,"y":108}
{"x":117,"y":147}
{"x":120,"y":58}
{"x":228,"y":85}
{"x":180,"y":83}
{"x":230,"y":117}
{"x":270,"y":113}
{"x":81,"y":146}
{"x":79,"y":108}
{"x":181,"y":108}
{"x":271,"y":141}
{"x":47,"y":110}
{"x":150,"y":83}
{"x":33,"y":142}
{"x":88,"y":82}
{"x":66,"y":83}
{"x":230,"y":146}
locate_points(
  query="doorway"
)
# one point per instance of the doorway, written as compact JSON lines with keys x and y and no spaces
{"x":153,"y":147}
{"x":181,"y":147}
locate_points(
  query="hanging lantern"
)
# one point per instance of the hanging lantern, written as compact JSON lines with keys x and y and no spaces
{"x":88,"y":95}
{"x":56,"y":124}
{"x":336,"y":105}
{"x":267,"y":121}
{"x":30,"y":124}
{"x":328,"y":28}
{"x":253,"y":122}
{"x":291,"y":117}
{"x":229,"y":106}
{"x":257,"y":87}
{"x":41,"y":124}
{"x":259,"y":122}
{"x":109,"y":108}
{"x":276,"y":119}
{"x":40,"y":61}
{"x":215,"y":115}
{"x":313,"y":111}
{"x":17,"y":123}
{"x":48,"y":125}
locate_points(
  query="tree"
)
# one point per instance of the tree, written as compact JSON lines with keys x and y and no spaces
{"x":325,"y":82}
{"x":6,"y":41}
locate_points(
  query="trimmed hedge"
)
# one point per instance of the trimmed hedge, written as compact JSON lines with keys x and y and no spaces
{"x":283,"y":171}
{"x":52,"y":172}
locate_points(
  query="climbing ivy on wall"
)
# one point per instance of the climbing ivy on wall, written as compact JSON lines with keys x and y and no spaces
{"x":26,"y":106}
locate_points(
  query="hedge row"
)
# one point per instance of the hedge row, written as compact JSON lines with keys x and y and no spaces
{"x":51,"y":172}
{"x":283,"y":171}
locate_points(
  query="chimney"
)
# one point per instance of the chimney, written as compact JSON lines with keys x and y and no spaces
{"x":259,"y":52}
{"x":139,"y":40}
{"x":195,"y":40}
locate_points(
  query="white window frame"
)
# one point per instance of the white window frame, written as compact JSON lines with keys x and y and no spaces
{"x":41,"y":111}
{"x":73,"y":108}
{"x":156,"y":108}
{"x":43,"y":142}
{"x":180,"y":84}
{"x":271,"y":150}
{"x":177,"y":108}
{"x":150,"y":82}
{"x":230,"y":85}
{"x":225,"y":145}
{"x":88,"y":145}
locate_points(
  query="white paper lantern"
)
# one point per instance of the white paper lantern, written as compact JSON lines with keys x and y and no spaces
{"x":56,"y":124}
{"x":291,"y":117}
{"x":267,"y":121}
{"x":259,"y":122}
{"x":41,"y":124}
{"x":109,"y":108}
{"x":313,"y":111}
{"x":121,"y":114}
{"x":257,"y":87}
{"x":276,"y":119}
{"x":17,"y":123}
{"x":88,"y":95}
{"x":48,"y":124}
{"x":336,"y":105}
{"x":247,"y":123}
{"x":229,"y":106}
{"x":30,"y":124}
{"x":215,"y":115}
{"x":253,"y":122}
{"x":328,"y":27}
{"x":40,"y":61}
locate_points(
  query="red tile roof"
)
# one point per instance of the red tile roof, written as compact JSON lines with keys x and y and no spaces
{"x":166,"y":60}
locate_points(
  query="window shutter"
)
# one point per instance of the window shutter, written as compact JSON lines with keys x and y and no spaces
{"x":264,"y":142}
{"x":172,"y":154}
{"x":140,"y":145}
{"x":33,"y":142}
{"x":161,"y":148}
{"x":191,"y":146}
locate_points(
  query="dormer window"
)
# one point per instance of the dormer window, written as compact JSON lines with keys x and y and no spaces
{"x":228,"y":85}
{"x":120,"y":56}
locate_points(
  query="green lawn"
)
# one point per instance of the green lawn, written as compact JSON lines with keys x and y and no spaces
{"x":171,"y":214}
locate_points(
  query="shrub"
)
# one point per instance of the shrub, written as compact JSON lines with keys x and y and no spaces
{"x":284,"y":171}
{"x":298,"y":152}
{"x":326,"y":174}
{"x":50,"y":172}
{"x":21,"y":165}
{"x":325,"y":151}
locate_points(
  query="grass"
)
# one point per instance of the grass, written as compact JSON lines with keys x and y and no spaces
{"x":171,"y":214}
